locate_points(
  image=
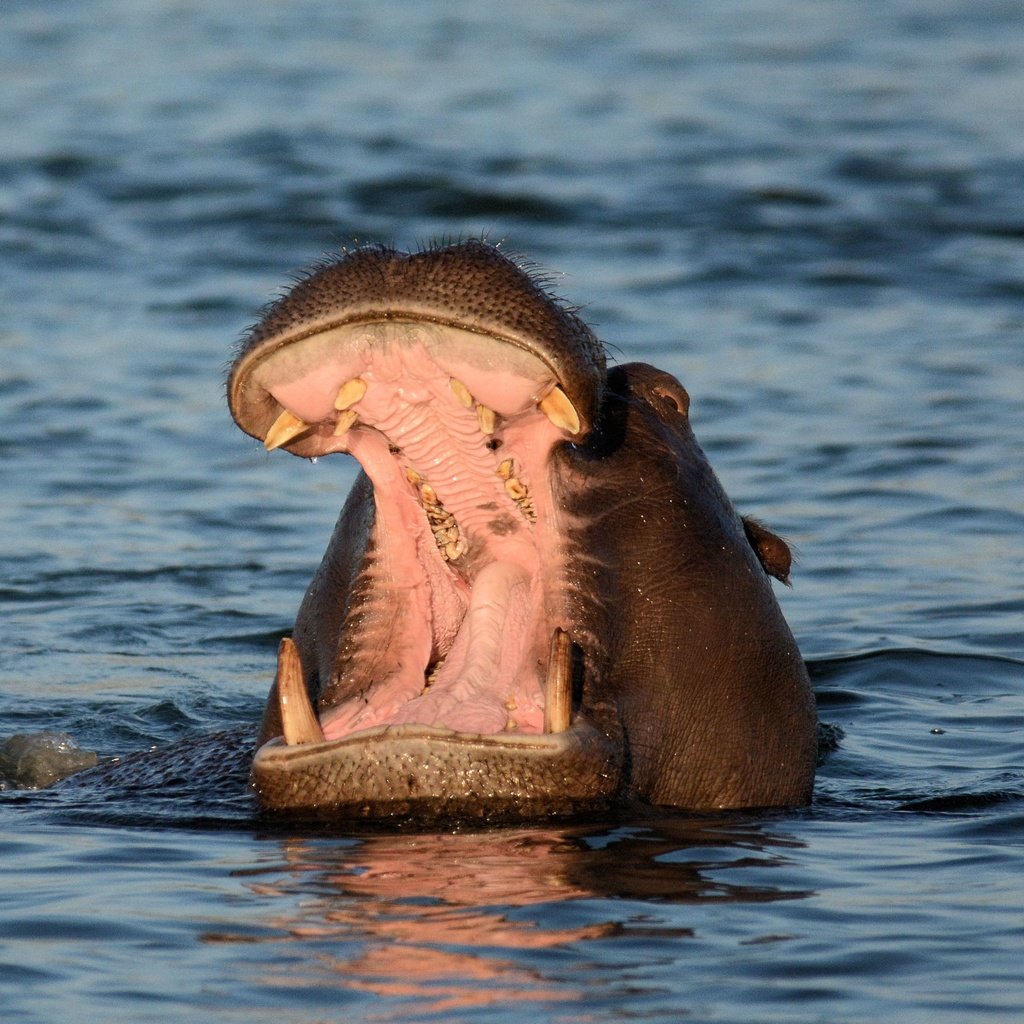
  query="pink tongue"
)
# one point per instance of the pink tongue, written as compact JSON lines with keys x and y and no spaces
{"x":479,"y":687}
{"x":476,"y":691}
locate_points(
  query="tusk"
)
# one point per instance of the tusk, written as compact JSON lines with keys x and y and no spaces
{"x":345,"y":421}
{"x":349,"y":393}
{"x":560,"y":410}
{"x":558,"y":688}
{"x":285,"y":428}
{"x":487,"y":418}
{"x":298,"y":719}
{"x":461,"y":392}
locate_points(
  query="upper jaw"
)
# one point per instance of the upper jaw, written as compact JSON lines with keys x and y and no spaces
{"x":470,"y":287}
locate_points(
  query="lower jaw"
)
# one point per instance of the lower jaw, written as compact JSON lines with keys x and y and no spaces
{"x":424,"y":773}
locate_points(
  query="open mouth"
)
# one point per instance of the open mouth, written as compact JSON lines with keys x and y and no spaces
{"x":455,"y":620}
{"x":537,"y":599}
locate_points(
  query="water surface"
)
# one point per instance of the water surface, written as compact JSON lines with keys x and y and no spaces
{"x":812,"y":213}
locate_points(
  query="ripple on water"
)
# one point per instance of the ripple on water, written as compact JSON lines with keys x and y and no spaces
{"x":810,"y":213}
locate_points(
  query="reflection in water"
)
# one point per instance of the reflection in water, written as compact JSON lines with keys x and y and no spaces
{"x":470,"y":919}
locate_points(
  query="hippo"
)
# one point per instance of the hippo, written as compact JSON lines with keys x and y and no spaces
{"x":537,"y":600}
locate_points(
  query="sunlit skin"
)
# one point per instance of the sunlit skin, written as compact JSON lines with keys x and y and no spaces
{"x":538,"y":599}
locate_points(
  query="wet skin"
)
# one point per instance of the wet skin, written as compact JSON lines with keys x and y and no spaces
{"x":538,"y":599}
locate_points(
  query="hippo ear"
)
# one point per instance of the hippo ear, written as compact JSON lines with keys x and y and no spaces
{"x":772,"y":552}
{"x":668,"y":389}
{"x":656,"y":387}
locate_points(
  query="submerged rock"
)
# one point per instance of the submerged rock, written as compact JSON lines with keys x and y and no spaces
{"x":37,"y":760}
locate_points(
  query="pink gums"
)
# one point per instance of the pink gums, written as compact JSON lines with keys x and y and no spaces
{"x":478,"y":620}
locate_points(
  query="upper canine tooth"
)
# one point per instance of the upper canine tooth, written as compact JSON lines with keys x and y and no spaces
{"x":558,"y":687}
{"x":298,"y":720}
{"x":345,"y":420}
{"x":349,"y":393}
{"x":285,"y":428}
{"x":487,"y":418}
{"x":560,"y":410}
{"x":461,"y":392}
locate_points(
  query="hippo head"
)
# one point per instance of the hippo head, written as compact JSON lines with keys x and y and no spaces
{"x":537,"y":596}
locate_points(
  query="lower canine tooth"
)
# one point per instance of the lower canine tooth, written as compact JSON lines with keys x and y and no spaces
{"x":558,"y":687}
{"x":285,"y":428}
{"x":345,"y":421}
{"x":560,"y":410}
{"x":298,"y":721}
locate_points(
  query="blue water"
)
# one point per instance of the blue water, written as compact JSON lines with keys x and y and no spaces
{"x":811,"y":212}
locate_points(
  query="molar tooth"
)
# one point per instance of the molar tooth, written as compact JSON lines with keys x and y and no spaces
{"x":445,"y":538}
{"x":487,"y":418}
{"x":346,"y":420}
{"x":349,"y":393}
{"x":413,"y":477}
{"x":516,"y":489}
{"x":298,"y":720}
{"x":504,"y":469}
{"x":558,"y":686}
{"x":428,"y":494}
{"x":461,"y":392}
{"x":560,"y":410}
{"x":452,"y":549}
{"x":285,"y":428}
